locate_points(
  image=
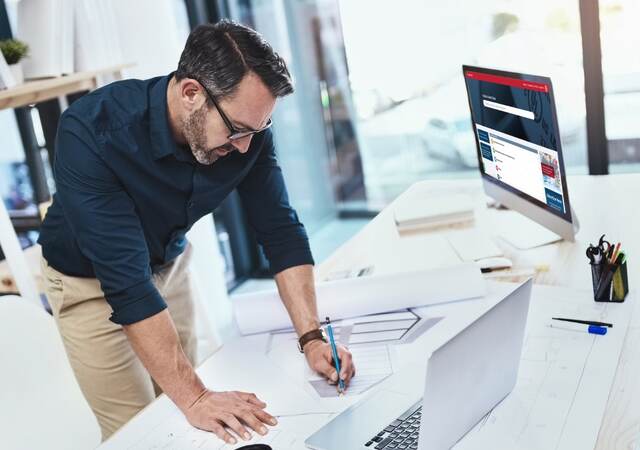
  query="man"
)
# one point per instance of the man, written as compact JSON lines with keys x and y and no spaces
{"x":137,"y":163}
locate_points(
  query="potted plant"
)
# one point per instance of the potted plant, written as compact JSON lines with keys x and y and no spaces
{"x":14,"y":51}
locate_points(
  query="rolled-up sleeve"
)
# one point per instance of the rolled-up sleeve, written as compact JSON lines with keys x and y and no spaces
{"x":103,"y":219}
{"x":278,"y":229}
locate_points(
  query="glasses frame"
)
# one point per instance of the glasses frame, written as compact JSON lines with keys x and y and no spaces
{"x":234,"y":133}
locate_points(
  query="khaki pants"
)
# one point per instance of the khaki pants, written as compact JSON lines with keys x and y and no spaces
{"x":111,"y":377}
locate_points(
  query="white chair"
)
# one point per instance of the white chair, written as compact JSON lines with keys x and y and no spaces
{"x":41,"y":405}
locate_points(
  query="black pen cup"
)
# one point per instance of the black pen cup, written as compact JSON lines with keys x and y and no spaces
{"x":610,"y":282}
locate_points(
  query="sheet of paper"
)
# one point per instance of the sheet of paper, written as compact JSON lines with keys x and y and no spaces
{"x":374,"y":365}
{"x":473,"y":244}
{"x":263,"y":311}
{"x":376,"y":336}
{"x":387,"y":317}
{"x":564,"y":379}
{"x":393,"y":327}
{"x":243,"y":366}
{"x":175,"y":433}
{"x":378,"y":326}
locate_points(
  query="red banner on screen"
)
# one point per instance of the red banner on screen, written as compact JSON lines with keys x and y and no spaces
{"x":515,"y":82}
{"x":548,"y":170}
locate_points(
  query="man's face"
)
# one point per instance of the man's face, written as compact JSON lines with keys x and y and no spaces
{"x":248,"y":109}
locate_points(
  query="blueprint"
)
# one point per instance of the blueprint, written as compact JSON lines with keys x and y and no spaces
{"x":175,"y":433}
{"x":369,"y":338}
{"x":374,"y":365}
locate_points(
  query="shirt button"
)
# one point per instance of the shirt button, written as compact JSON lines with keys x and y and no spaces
{"x":190,"y":204}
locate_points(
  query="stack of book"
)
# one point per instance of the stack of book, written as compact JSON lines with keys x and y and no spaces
{"x":433,"y":211}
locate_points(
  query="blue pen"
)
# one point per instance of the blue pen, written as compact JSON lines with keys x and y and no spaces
{"x":334,"y":350}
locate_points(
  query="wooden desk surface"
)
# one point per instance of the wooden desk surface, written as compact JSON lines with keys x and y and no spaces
{"x":603,"y":204}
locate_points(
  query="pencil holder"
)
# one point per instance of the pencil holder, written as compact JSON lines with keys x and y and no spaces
{"x":610,"y":282}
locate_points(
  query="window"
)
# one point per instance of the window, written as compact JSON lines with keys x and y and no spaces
{"x":300,"y":126}
{"x":405,"y":73}
{"x":619,"y":34}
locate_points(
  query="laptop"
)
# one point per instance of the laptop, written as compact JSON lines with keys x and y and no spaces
{"x":466,"y":378}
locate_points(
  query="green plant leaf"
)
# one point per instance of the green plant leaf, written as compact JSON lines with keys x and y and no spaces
{"x":13,"y":50}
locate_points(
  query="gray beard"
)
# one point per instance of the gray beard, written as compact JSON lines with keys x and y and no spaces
{"x":206,"y":157}
{"x":194,"y":132}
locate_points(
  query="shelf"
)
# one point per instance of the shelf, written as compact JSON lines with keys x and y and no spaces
{"x":35,"y":91}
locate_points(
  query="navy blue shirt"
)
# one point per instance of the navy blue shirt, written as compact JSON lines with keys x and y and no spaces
{"x":127,"y":194}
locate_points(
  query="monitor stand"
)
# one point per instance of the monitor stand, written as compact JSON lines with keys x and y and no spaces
{"x":523,"y":233}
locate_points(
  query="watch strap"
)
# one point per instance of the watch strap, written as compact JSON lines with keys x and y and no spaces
{"x":310,"y":336}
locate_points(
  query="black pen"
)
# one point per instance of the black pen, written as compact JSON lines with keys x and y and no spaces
{"x":585,"y":322}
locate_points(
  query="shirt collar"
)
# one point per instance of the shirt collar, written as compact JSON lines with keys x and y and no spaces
{"x":162,"y":142}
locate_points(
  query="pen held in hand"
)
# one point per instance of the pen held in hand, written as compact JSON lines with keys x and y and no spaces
{"x":336,"y":360}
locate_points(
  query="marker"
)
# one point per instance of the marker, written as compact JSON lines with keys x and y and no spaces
{"x":334,"y":350}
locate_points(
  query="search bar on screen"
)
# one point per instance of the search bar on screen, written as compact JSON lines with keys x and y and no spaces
{"x":508,"y":109}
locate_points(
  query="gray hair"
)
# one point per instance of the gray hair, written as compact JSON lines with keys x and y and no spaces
{"x":220,"y":55}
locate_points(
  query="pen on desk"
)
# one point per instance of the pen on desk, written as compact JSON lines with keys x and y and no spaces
{"x":334,"y":350}
{"x":584,"y":322}
{"x":591,"y":329}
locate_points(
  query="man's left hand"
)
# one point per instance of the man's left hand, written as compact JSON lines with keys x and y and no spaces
{"x":320,"y":359}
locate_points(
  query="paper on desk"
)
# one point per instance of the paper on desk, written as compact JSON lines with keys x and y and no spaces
{"x":473,"y":244}
{"x":263,"y":311}
{"x":391,"y":327}
{"x":176,"y":433}
{"x":243,"y":366}
{"x":373,"y":366}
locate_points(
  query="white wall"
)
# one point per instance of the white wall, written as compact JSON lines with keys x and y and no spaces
{"x":152,"y":35}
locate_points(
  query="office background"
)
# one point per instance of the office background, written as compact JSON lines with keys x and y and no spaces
{"x":380,"y":100}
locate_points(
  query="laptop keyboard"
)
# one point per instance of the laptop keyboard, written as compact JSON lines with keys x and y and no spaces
{"x":402,"y":433}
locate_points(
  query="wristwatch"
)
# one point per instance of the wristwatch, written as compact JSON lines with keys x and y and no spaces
{"x":311,"y":336}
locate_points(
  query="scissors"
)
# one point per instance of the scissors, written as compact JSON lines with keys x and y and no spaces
{"x":596,"y":253}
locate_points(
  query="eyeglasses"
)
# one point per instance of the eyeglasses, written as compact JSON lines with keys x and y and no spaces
{"x":235,"y":133}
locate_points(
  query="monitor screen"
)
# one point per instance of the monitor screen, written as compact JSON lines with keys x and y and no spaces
{"x":516,"y":132}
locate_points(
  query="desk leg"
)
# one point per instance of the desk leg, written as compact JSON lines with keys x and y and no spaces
{"x":15,"y":258}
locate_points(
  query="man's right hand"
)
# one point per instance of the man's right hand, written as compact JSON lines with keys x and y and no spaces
{"x":217,"y":411}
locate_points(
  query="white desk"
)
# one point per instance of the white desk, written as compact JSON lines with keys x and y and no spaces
{"x":380,"y":244}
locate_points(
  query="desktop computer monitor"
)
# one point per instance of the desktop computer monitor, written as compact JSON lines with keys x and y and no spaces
{"x":519,"y":152}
